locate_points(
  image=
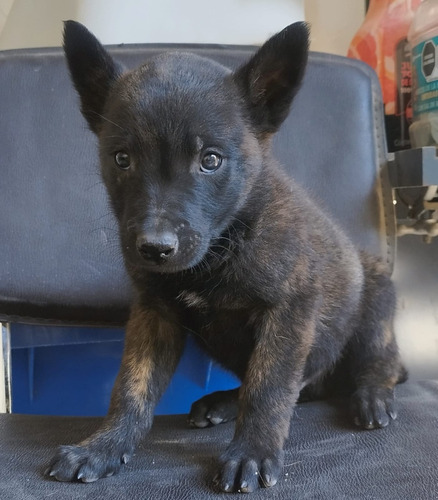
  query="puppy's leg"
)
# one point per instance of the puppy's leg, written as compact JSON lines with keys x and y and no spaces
{"x":375,"y":360}
{"x":266,"y":400}
{"x":215,"y":408}
{"x":153,"y":346}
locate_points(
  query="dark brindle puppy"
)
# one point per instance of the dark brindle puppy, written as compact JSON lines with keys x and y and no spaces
{"x":218,"y":241}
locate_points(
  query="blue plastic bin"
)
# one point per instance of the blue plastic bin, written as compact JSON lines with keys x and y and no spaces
{"x":71,"y":371}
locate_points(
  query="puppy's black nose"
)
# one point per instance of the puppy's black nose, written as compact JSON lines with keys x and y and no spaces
{"x":157,"y":248}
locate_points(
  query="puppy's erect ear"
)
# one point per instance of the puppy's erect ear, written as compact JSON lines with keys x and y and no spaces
{"x":92,"y":70}
{"x":269,"y":81}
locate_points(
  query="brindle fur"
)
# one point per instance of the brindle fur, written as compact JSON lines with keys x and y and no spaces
{"x":266,"y":282}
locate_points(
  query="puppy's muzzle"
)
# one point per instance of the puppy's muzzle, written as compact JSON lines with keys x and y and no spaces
{"x":157,"y":248}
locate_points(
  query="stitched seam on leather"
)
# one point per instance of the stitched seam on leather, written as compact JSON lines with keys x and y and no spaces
{"x":383,"y":188}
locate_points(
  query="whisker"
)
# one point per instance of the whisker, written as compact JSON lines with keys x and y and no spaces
{"x":240,"y":221}
{"x":214,"y":288}
{"x":113,"y":137}
{"x":108,"y":120}
{"x":227,"y":249}
{"x":107,"y":214}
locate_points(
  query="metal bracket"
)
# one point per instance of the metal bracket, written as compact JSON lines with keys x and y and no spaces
{"x":414,"y":177}
{"x":413,"y":167}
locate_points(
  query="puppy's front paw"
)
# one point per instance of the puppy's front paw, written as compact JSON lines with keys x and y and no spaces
{"x":373,"y":407}
{"x":84,"y":463}
{"x":245,"y":471}
{"x":213,"y":409}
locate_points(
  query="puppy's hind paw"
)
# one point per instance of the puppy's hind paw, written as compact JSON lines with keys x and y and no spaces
{"x":373,"y":407}
{"x":213,"y":409}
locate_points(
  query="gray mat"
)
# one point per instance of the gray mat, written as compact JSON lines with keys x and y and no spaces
{"x":326,"y":458}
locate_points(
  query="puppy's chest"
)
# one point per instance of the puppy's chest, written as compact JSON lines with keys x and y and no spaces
{"x":222,"y":325}
{"x":212,"y":301}
{"x":215,"y":309}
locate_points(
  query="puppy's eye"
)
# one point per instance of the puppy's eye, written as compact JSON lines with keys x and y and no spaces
{"x":122,"y":159}
{"x":211,"y":162}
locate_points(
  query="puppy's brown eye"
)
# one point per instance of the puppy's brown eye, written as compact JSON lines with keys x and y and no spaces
{"x":211,"y":162}
{"x":122,"y":159}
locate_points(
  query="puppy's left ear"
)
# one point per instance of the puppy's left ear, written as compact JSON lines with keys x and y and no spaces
{"x":269,"y":81}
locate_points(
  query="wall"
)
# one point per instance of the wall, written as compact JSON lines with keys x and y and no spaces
{"x":38,"y":23}
{"x":334,"y":23}
{"x":5,"y":7}
{"x":30,"y":23}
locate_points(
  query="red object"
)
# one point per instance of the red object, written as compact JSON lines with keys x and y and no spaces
{"x":381,"y":41}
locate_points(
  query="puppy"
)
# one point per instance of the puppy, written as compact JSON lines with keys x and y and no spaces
{"x":219,"y":242}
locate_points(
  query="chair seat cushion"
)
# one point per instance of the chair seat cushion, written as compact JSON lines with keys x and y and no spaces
{"x":326,"y":457}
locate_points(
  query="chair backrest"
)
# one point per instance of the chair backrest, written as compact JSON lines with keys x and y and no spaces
{"x":60,"y":261}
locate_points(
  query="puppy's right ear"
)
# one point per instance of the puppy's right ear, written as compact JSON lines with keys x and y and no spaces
{"x":92,"y":70}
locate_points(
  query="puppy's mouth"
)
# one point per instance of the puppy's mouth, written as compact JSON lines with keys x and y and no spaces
{"x":169,"y":252}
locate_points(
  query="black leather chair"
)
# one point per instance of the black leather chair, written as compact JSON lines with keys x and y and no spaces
{"x":59,"y":264}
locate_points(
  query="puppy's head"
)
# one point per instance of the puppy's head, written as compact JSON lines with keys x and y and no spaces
{"x":182,"y":138}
